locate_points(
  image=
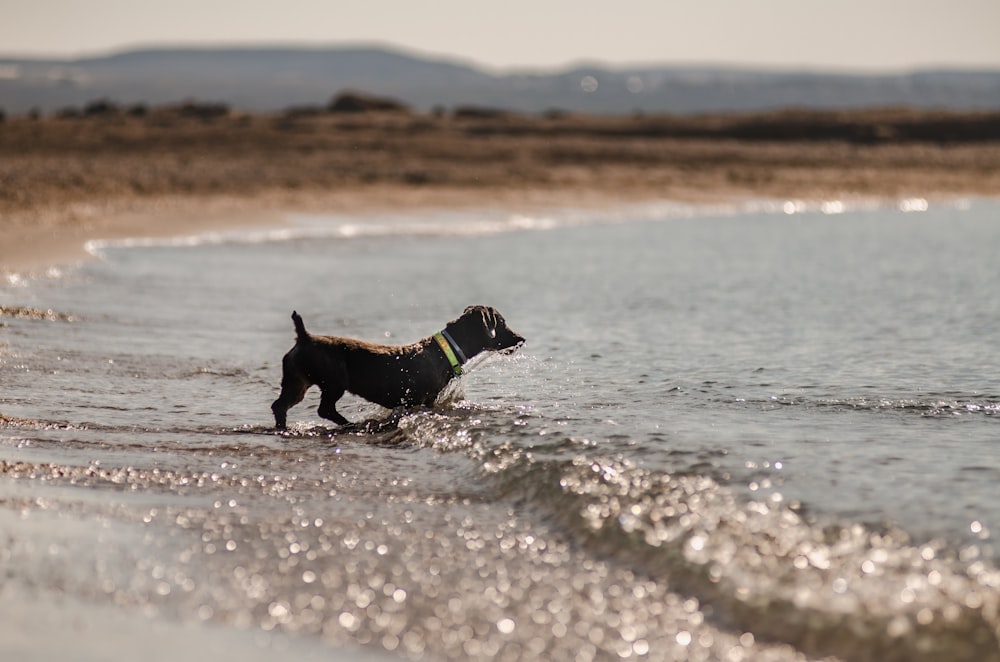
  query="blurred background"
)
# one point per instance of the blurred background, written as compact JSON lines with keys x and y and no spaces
{"x":645,"y":56}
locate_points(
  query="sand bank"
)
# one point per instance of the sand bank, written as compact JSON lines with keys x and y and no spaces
{"x":35,"y":242}
{"x":66,"y":181}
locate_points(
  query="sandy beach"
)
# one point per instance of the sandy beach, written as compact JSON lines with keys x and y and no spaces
{"x":171,"y":171}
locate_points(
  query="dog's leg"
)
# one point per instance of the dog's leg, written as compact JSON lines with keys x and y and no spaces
{"x":328,"y":406}
{"x":292,"y":392}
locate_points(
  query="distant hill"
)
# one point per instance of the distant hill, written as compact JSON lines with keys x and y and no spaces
{"x":273,"y":79}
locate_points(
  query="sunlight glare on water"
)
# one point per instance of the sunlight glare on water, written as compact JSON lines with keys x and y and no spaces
{"x":730,"y":436}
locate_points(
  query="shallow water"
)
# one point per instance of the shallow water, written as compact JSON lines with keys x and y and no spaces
{"x":734,"y":433}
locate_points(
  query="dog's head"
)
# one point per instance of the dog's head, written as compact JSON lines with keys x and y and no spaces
{"x":487,"y":328}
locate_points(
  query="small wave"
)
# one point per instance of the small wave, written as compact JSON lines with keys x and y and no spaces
{"x":828,"y":589}
{"x":491,"y":222}
{"x":210,"y":371}
{"x":927,"y":405}
{"x":11,"y":423}
{"x":335,"y":227}
{"x":765,"y":566}
{"x":24,"y":278}
{"x":48,"y":315}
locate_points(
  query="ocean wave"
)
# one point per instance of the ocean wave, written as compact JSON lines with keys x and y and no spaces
{"x":826,"y":588}
{"x":19,"y":279}
{"x":766,"y":566}
{"x":26,"y":312}
{"x":927,"y":405}
{"x":492,"y":222}
{"x":322,"y":226}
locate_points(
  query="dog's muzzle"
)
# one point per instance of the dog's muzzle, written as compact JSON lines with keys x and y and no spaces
{"x":510,"y":349}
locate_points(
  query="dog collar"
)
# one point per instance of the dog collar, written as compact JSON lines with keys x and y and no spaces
{"x":450,"y":349}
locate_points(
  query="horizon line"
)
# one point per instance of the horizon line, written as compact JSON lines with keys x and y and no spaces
{"x":450,"y":58}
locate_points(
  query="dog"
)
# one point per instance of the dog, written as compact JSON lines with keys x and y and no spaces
{"x":390,"y":376}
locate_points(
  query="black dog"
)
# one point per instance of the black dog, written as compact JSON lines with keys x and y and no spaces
{"x":390,"y":376}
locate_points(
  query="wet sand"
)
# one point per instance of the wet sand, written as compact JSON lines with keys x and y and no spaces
{"x":172,"y":172}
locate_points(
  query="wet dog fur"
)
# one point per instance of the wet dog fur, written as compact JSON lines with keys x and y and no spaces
{"x":388,"y":375}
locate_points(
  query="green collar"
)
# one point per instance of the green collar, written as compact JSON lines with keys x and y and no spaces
{"x":445,"y":345}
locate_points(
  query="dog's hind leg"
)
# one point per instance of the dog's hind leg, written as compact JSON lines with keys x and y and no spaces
{"x":328,"y":406}
{"x":293,"y":390}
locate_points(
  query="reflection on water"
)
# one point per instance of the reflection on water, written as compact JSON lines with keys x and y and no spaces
{"x":763,"y":436}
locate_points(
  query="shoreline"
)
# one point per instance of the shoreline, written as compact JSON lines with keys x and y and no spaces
{"x":57,"y":239}
{"x":36,"y":243}
{"x":64,"y":182}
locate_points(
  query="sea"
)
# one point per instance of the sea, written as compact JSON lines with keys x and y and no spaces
{"x":759,"y":430}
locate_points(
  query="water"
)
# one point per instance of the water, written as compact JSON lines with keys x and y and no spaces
{"x":733,"y":434}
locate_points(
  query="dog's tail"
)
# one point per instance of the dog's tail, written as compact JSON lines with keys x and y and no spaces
{"x":300,"y":328}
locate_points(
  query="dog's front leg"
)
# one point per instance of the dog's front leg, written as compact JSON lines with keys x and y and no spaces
{"x":328,"y":406}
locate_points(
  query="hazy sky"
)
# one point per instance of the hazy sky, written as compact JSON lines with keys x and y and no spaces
{"x":838,"y":34}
